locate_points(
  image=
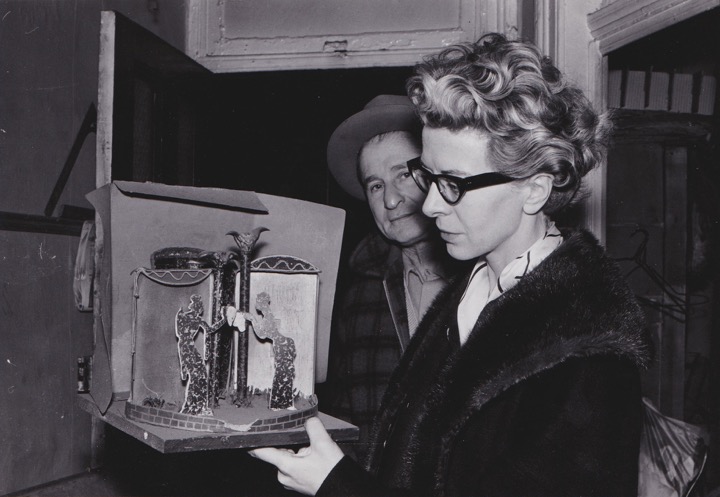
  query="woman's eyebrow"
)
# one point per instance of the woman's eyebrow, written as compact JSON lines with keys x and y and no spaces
{"x":399,"y":167}
{"x":453,"y":172}
{"x":450,"y":172}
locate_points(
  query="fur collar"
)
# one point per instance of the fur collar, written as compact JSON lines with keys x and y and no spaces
{"x":574,"y":304}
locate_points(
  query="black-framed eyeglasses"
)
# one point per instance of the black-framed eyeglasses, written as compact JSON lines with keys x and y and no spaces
{"x":452,"y":188}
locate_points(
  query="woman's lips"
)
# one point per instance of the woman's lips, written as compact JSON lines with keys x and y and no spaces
{"x":448,"y":236}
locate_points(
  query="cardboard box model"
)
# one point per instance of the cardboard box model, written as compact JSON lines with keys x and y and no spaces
{"x":160,"y":327}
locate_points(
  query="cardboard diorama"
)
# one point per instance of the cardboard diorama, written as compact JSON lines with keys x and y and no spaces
{"x":213,"y":306}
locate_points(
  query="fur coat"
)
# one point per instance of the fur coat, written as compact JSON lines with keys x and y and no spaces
{"x":542,"y":400}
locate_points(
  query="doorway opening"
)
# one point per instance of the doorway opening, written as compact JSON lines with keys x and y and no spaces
{"x":663,"y":211}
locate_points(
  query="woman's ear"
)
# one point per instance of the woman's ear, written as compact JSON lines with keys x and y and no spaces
{"x":539,"y":188}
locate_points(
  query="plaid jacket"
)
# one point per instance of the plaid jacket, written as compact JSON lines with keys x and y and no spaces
{"x":369,"y":331}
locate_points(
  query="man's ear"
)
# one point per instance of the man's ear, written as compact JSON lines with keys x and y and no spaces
{"x":539,"y":188}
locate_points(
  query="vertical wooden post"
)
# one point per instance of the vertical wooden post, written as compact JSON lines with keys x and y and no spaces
{"x":675,"y":273}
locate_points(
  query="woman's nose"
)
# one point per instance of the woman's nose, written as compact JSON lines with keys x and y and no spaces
{"x":434,"y":204}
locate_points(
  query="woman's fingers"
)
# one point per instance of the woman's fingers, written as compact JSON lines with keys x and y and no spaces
{"x":230,"y":313}
{"x":305,"y":470}
{"x":276,"y":457}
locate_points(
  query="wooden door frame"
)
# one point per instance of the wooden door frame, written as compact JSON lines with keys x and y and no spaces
{"x":205,"y":41}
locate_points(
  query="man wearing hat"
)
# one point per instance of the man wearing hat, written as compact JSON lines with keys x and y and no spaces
{"x":396,"y":270}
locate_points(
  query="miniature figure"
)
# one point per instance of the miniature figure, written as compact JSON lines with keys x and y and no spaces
{"x":192,"y":364}
{"x":266,"y":327}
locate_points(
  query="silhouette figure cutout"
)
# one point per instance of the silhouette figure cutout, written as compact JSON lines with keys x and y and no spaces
{"x":265,"y":327}
{"x":192,"y":364}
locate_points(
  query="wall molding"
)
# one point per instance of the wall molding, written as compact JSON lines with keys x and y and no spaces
{"x":498,"y":16}
{"x":622,"y":22}
{"x":217,"y":45}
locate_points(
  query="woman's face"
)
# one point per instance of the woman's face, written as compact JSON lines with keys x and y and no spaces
{"x":486,"y":222}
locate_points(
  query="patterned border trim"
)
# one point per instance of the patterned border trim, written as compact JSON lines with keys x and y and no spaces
{"x":172,"y":419}
{"x":283,"y":264}
{"x":174,"y":277}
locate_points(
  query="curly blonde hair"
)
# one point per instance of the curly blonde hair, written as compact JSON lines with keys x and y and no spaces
{"x":535,"y":121}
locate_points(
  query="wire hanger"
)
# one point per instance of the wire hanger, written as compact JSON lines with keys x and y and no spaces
{"x":674,"y":303}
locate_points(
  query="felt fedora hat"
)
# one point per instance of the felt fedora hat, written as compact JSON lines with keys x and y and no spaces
{"x":382,"y":114}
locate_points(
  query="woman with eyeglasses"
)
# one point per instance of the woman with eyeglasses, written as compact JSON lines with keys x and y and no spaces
{"x":523,"y":378}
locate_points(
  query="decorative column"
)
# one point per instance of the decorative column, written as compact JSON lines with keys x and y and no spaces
{"x":221,"y":343}
{"x":246,"y":243}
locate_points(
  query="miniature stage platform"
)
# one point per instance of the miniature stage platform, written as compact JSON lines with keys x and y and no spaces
{"x":171,"y":440}
{"x":212,"y":315}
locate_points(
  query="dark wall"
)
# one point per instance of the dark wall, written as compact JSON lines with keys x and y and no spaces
{"x":48,"y":79}
{"x":686,"y":47}
{"x":271,"y":132}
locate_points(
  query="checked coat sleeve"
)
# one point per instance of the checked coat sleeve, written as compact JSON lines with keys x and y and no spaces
{"x":364,"y":345}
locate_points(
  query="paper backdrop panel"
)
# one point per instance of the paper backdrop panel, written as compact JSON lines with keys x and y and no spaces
{"x":156,"y":366}
{"x":294,"y":304}
{"x":136,"y":220}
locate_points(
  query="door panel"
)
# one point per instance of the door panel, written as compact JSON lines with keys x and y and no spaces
{"x":151,"y":101}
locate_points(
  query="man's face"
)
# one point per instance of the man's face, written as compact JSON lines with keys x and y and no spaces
{"x":394,"y":199}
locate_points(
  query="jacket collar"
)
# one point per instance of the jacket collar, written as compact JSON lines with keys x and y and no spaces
{"x":373,"y":255}
{"x":394,"y":285}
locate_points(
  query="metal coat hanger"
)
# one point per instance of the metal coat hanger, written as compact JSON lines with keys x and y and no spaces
{"x":674,"y":304}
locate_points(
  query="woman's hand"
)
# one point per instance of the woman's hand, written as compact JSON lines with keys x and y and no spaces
{"x":248,"y":316}
{"x":237,"y":319}
{"x":230,"y":314}
{"x":305,"y":470}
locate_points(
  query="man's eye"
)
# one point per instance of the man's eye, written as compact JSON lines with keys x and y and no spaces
{"x":374,"y":187}
{"x":405,"y":174}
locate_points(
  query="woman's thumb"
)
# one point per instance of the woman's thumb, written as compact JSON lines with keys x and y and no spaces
{"x":316,"y":432}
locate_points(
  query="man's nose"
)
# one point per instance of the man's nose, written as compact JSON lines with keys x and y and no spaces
{"x":393,"y":197}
